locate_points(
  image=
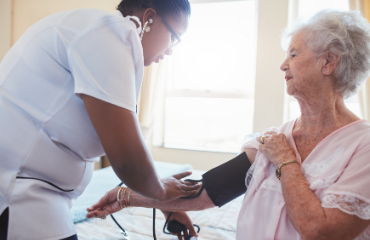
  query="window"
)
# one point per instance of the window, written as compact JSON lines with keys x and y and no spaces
{"x":306,"y":9}
{"x":210,"y":93}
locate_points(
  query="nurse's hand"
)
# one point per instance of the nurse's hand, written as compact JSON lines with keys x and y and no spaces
{"x":183,"y":218}
{"x":175,"y":188}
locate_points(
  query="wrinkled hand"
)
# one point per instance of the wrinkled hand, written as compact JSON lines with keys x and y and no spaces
{"x":276,"y":147}
{"x":106,"y":205}
{"x":183,"y":218}
{"x":175,"y":188}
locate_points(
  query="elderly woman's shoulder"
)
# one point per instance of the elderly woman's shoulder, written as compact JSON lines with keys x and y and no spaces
{"x":360,"y":126}
{"x":360,"y":132}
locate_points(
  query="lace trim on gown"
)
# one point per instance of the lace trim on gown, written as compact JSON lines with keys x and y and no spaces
{"x":349,"y":204}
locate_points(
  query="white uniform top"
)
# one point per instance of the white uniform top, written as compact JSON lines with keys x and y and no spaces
{"x":45,"y":131}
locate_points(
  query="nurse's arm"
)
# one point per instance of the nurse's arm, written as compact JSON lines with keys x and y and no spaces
{"x":120,"y":135}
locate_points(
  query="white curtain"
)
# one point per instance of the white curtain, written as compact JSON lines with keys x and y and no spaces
{"x":364,"y":100}
{"x":364,"y":93}
{"x":152,"y":96}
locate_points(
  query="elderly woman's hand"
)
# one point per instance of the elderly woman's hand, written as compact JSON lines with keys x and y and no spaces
{"x":275,"y":147}
{"x":106,"y":205}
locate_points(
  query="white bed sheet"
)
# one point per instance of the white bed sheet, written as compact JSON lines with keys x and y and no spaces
{"x":216,"y":223}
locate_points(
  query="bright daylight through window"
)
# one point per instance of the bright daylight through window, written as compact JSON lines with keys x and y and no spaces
{"x":306,"y":9}
{"x":209,"y":101}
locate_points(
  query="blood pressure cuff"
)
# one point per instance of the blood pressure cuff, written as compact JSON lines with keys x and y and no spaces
{"x":227,"y":181}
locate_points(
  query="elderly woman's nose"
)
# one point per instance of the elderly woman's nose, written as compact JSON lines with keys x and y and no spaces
{"x":284,"y":66}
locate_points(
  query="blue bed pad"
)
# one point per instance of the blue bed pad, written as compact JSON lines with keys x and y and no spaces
{"x":105,"y":179}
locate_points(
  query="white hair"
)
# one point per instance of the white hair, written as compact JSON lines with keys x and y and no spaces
{"x":342,"y":33}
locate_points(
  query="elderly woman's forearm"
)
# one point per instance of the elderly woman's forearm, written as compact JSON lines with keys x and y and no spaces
{"x":309,"y":218}
{"x":303,"y":207}
{"x":195,"y":204}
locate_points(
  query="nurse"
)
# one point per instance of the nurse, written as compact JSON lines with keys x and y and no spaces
{"x":68,"y":93}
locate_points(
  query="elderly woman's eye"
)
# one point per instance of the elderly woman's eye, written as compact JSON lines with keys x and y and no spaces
{"x":292,"y":55}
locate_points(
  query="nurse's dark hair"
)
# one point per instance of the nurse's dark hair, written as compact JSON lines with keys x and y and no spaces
{"x":163,"y":7}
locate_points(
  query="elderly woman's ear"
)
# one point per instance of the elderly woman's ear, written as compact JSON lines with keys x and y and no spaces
{"x":331,"y":62}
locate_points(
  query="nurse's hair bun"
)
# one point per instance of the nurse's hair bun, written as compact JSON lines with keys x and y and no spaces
{"x":163,"y":7}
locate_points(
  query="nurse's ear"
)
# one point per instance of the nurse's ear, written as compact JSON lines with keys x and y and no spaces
{"x":146,"y":27}
{"x":148,"y":19}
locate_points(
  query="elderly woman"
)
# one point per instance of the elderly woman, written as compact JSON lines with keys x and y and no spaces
{"x":310,"y":177}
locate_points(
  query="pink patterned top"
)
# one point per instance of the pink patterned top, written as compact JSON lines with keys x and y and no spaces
{"x":337,"y":169}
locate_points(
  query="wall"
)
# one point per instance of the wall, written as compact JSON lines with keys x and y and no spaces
{"x":270,"y":81}
{"x":5,"y":27}
{"x":26,"y":12}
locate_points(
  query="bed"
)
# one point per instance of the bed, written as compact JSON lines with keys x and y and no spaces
{"x":215,"y":223}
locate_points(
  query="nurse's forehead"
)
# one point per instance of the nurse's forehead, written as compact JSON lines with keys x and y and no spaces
{"x":179,"y":23}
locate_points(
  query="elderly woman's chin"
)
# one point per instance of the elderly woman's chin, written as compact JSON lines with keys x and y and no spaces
{"x":290,"y":90}
{"x":293,"y":90}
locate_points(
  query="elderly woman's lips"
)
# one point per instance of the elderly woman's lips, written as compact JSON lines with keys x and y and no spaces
{"x":287,"y":78}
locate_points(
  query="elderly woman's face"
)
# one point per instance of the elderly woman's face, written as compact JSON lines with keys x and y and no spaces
{"x":302,"y":72}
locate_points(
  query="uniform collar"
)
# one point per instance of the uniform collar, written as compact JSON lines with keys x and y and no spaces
{"x":138,"y":30}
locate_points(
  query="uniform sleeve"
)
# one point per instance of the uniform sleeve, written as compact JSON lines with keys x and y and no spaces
{"x":351,"y":192}
{"x":102,"y":65}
